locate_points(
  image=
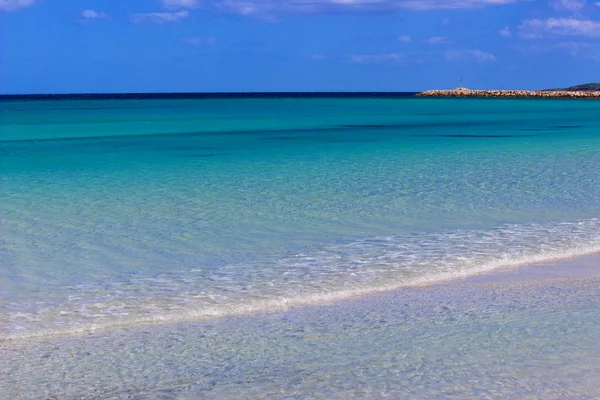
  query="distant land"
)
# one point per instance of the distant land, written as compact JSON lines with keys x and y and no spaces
{"x":584,"y":87}
{"x":585,"y":91}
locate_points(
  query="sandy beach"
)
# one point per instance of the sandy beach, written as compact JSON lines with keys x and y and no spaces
{"x":498,"y":335}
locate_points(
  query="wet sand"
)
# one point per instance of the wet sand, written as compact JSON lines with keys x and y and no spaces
{"x":577,"y":267}
{"x":528,"y":332}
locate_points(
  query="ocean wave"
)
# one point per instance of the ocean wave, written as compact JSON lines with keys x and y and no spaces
{"x":331,"y":273}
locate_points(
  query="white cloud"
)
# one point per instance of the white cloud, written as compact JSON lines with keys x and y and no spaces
{"x":12,"y":5}
{"x":318,"y":56}
{"x":269,"y":8}
{"x":405,"y":38}
{"x":597,"y":4}
{"x":568,"y":5}
{"x":536,"y":28}
{"x":262,"y":8}
{"x":469,"y":55}
{"x":92,"y":14}
{"x":573,"y":48}
{"x":198,"y":41}
{"x":505,"y":32}
{"x":179,"y":4}
{"x":159,"y":17}
{"x":437,"y":40}
{"x":376,"y":58}
{"x":446,"y":4}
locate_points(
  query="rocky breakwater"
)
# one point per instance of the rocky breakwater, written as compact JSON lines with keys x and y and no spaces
{"x":464,"y":92}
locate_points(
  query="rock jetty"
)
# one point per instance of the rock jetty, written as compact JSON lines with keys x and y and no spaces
{"x":464,"y":92}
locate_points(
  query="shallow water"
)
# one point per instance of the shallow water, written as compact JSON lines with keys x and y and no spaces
{"x":133,"y":211}
{"x":526,"y":340}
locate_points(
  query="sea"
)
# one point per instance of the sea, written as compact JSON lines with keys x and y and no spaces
{"x":140,"y":212}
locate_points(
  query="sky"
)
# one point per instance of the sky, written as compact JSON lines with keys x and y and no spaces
{"x":111,"y":46}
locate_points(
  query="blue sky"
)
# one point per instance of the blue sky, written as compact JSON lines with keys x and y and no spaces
{"x":87,"y":46}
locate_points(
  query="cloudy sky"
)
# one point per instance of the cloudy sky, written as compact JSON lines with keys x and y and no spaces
{"x":84,"y":46}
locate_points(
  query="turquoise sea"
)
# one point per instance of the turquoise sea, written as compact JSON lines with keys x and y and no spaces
{"x":140,"y":212}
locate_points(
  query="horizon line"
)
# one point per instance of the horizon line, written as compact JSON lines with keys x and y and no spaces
{"x":158,"y":95}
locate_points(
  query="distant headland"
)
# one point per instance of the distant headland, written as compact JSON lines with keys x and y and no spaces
{"x":588,"y":90}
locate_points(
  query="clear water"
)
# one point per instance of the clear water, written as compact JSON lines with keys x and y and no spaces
{"x":535,"y":340}
{"x":121,"y":212}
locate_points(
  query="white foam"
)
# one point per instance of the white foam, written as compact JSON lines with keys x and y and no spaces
{"x":361,"y":268}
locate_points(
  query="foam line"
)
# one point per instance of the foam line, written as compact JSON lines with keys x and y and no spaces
{"x":308,"y":299}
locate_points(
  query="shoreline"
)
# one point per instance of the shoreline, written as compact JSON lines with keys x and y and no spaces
{"x":571,"y":267}
{"x":464,"y":92}
{"x":500,"y":335}
{"x":579,"y":267}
